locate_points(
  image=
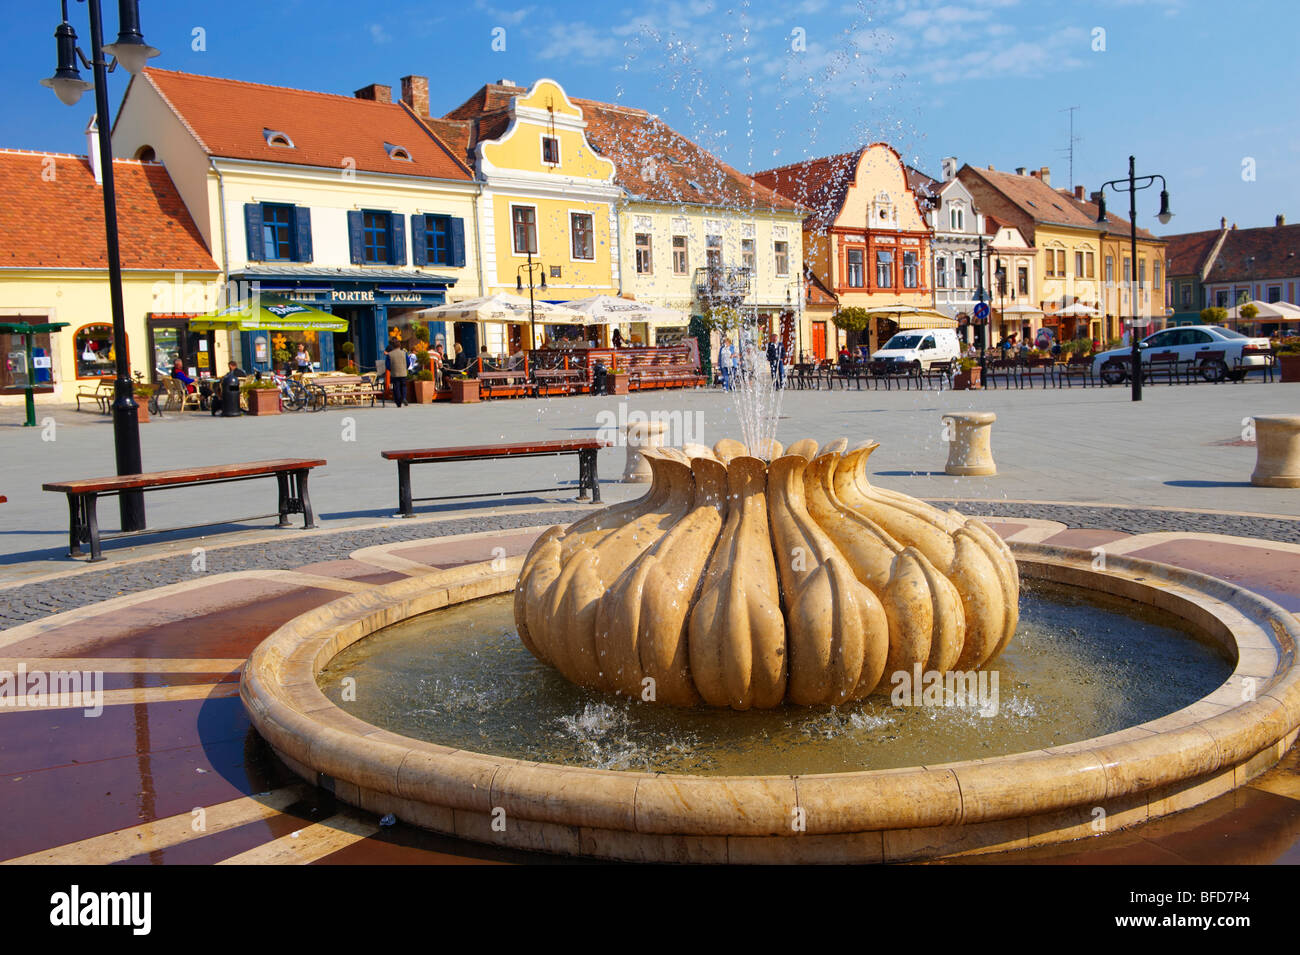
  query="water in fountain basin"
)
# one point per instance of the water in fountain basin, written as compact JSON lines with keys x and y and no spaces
{"x":1080,"y":666}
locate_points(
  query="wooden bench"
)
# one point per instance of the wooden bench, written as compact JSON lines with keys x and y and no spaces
{"x":584,"y":448}
{"x":568,"y":380}
{"x":101,"y":393}
{"x":341,"y":389}
{"x":1077,"y":367}
{"x":83,"y":495}
{"x":495,"y":382}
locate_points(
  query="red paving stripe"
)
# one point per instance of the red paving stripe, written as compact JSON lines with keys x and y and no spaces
{"x":1003,"y":529}
{"x":71,"y":803}
{"x":454,"y":553}
{"x":1274,"y":574}
{"x":1085,"y":538}
{"x":354,"y":570}
{"x":222,"y":632}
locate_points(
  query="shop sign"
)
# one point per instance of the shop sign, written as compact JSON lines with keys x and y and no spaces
{"x":359,"y":295}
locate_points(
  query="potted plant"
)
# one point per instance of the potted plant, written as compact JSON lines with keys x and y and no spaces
{"x":968,"y":377}
{"x":1288,"y":358}
{"x":261,"y":396}
{"x":464,"y":390}
{"x":142,"y":395}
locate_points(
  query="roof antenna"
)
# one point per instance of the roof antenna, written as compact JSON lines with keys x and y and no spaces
{"x":1069,"y":149}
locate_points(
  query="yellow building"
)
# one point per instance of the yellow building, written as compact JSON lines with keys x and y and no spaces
{"x":348,"y":203}
{"x":866,"y":239}
{"x":54,"y":268}
{"x":670,"y":223}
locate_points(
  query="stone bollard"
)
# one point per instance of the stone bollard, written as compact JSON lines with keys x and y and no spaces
{"x":1277,"y":451}
{"x":642,"y":434}
{"x":969,"y":452}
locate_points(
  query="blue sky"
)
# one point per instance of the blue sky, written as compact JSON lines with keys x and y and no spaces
{"x":1193,"y":88}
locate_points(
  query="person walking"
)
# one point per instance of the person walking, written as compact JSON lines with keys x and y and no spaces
{"x":776,"y":361}
{"x":398,"y":371}
{"x":302,"y":360}
{"x":726,"y":361}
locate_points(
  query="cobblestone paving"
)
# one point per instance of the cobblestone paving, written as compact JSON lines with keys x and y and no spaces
{"x":33,"y":601}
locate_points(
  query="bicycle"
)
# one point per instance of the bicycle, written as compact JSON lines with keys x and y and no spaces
{"x":293,"y":393}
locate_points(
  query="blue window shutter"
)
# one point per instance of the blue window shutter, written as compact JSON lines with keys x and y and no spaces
{"x":302,"y":224}
{"x":457,"y":243}
{"x":419,"y":242}
{"x":397,"y":233}
{"x":355,"y":248}
{"x":253,"y":229}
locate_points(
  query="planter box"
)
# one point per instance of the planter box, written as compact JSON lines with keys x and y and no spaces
{"x":967,"y":380}
{"x":142,"y":410}
{"x":1288,"y":367}
{"x":263,"y":401}
{"x":618,"y":382}
{"x":464,"y":390}
{"x":423,"y":392}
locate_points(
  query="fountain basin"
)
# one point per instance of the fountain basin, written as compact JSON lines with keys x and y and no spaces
{"x":1017,"y":800}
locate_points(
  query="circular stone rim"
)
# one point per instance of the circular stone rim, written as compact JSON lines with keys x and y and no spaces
{"x":1031,"y":798}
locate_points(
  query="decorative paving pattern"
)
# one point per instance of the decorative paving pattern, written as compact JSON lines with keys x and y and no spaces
{"x":173,"y":740}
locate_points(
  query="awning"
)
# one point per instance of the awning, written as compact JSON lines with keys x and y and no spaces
{"x":272,"y":314}
{"x":909,"y":316}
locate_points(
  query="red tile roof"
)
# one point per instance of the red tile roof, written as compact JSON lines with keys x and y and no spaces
{"x":683,"y":172}
{"x":229,"y":118}
{"x":816,"y":184}
{"x":1114,"y":224}
{"x":1187,"y":253}
{"x":58,"y":222}
{"x":1269,"y":252}
{"x":1034,"y":198}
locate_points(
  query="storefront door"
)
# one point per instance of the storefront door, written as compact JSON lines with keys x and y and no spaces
{"x":170,"y":338}
{"x":819,"y":340}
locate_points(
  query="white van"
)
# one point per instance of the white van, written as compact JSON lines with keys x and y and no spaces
{"x":921,"y":346}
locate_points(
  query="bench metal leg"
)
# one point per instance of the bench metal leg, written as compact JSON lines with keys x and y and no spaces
{"x":85,"y":525}
{"x":404,"y":489}
{"x":76,"y":525}
{"x":282,"y":480}
{"x":587,"y":477}
{"x":294,"y":498}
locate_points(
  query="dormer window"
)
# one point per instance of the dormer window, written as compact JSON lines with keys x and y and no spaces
{"x":550,"y":151}
{"x":274,"y":137}
{"x":400,"y":153}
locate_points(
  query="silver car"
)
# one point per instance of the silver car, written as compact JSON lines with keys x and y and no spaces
{"x":1187,"y":342}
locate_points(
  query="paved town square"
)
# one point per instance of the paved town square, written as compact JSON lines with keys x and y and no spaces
{"x":746,"y":435}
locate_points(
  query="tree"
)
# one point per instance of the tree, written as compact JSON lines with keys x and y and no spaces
{"x":852,"y":319}
{"x":1249,"y":311}
{"x":1214,"y":315}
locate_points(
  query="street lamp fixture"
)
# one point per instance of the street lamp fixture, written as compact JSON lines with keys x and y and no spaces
{"x":519,"y":287}
{"x":132,"y":52}
{"x":1131,"y":184}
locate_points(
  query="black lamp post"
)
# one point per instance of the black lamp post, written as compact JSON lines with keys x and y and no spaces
{"x":1131,"y":185}
{"x":132,"y":52}
{"x":519,"y":286}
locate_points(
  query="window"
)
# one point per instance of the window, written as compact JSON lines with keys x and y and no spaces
{"x":1128,"y":269}
{"x":524,"y":221}
{"x":1155,"y":275}
{"x":1142,"y":272}
{"x":1078,"y":264}
{"x":1110,"y":270}
{"x":713,"y":251}
{"x":747,"y":254}
{"x":1060,"y":263}
{"x":1022,"y":280}
{"x":550,"y":150}
{"x":277,"y":233}
{"x":1049,"y":264}
{"x":1091,"y":263}
{"x":681,"y":263}
{"x":375,"y":237}
{"x":884,"y":268}
{"x":278,"y":139}
{"x":643,"y":259}
{"x":957,"y":218}
{"x":1274,"y":294}
{"x":961,"y":273}
{"x":940,"y":268}
{"x":583,"y":234}
{"x":400,"y":153}
{"x":94,"y":345}
{"x":782,"y":250}
{"x":1186,"y":288}
{"x":910,"y":270}
{"x":856,"y":276}
{"x":1221,"y":299}
{"x":437,"y":240}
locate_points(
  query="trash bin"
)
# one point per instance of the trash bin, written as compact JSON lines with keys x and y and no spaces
{"x":599,"y":379}
{"x":229,"y":397}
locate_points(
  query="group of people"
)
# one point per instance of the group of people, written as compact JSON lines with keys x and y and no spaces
{"x":732,"y":364}
{"x":403,"y":362}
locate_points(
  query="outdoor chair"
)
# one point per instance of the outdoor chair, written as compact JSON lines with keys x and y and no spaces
{"x":1078,"y":368}
{"x":1008,"y":369}
{"x":1042,"y":368}
{"x":1162,"y":363}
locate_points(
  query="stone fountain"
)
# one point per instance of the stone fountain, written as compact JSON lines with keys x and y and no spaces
{"x":751,"y":580}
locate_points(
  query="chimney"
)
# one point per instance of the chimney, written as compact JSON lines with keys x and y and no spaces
{"x":375,"y":91}
{"x":1095,"y":197}
{"x":1045,"y":174}
{"x":415,"y":94}
{"x":1020,"y":170}
{"x":1281,"y":220}
{"x":505,"y":82}
{"x":1080,"y":192}
{"x":949,"y":166}
{"x":92,"y":150}
{"x":1033,"y":173}
{"x":1223,"y":222}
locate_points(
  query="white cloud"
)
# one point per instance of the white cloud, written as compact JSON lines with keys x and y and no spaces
{"x":502,"y":17}
{"x":578,"y":41}
{"x":378,"y":34}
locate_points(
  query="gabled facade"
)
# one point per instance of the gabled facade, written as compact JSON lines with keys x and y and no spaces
{"x":866,"y":238}
{"x":1260,"y":264}
{"x":54,"y":268}
{"x":352,"y":205}
{"x":1188,"y":258}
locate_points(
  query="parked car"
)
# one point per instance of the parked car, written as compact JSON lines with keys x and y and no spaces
{"x":921,"y":347}
{"x":1186,"y":341}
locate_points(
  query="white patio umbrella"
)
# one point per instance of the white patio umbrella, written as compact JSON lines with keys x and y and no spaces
{"x":1077,"y":308}
{"x":603,"y":309}
{"x":1283,"y":311}
{"x":504,"y":307}
{"x":909,"y":316}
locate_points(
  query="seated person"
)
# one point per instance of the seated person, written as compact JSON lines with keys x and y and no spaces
{"x":485,"y":361}
{"x":178,"y":372}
